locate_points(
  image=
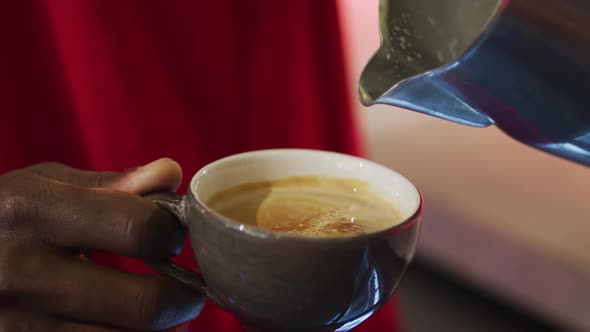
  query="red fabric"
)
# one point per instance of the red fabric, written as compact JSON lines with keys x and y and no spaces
{"x":108,"y":85}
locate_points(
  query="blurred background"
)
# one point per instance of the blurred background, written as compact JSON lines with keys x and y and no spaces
{"x":505,"y":240}
{"x":505,"y":243}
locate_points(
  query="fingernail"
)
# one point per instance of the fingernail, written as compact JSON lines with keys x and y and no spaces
{"x":135,"y":175}
{"x":161,"y":174}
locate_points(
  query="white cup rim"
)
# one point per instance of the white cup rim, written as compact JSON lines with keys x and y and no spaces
{"x":410,"y":220}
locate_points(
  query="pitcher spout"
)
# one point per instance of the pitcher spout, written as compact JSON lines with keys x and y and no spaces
{"x":422,"y":40}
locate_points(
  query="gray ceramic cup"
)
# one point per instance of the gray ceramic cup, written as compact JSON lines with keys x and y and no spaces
{"x":284,"y":282}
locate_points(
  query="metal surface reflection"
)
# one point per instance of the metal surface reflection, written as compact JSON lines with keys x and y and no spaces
{"x":522,"y":65}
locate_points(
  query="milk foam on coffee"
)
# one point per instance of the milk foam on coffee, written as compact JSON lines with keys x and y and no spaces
{"x":308,"y":205}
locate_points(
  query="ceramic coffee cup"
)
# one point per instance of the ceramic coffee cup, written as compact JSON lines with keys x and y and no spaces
{"x":284,"y":282}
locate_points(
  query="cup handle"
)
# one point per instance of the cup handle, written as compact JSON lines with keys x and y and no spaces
{"x":176,"y":204}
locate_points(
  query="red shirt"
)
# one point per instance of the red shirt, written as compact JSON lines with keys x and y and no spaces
{"x":109,"y":85}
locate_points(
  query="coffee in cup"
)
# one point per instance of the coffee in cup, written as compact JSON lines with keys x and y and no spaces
{"x":308,"y":205}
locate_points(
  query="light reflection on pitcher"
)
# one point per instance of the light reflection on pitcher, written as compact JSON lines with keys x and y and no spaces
{"x":523,"y":65}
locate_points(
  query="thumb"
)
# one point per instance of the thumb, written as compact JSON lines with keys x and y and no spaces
{"x":161,"y":175}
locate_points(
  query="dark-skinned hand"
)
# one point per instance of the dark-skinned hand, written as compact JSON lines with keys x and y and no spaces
{"x":51,"y":215}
